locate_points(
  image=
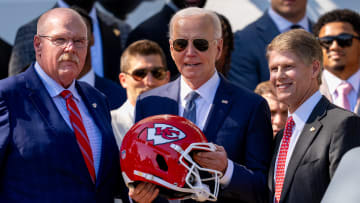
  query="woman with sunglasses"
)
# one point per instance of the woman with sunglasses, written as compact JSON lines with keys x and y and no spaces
{"x":338,"y":32}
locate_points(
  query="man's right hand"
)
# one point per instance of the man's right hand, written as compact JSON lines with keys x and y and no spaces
{"x":144,"y":192}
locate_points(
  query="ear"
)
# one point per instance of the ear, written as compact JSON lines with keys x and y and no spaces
{"x":122,"y":79}
{"x":167,"y":78}
{"x":171,"y":50}
{"x":219,"y":47}
{"x":91,"y":40}
{"x":316,"y":68}
{"x":37,"y":45}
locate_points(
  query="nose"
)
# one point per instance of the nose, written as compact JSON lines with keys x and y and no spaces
{"x":69,"y":45}
{"x":149,"y":80}
{"x":334,"y":45}
{"x":190,"y":49}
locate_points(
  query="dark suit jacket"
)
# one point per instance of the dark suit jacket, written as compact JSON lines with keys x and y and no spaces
{"x":156,"y":28}
{"x":328,"y":133}
{"x":249,"y":66}
{"x":40,"y":160}
{"x":23,"y":53}
{"x":239,"y":120}
{"x":5,"y":51}
{"x":115,"y":93}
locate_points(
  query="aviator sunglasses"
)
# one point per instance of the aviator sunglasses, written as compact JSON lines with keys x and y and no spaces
{"x":158,"y":73}
{"x":200,"y":44}
{"x":343,"y":40}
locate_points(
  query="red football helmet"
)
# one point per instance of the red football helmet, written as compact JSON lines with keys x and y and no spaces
{"x":158,"y":149}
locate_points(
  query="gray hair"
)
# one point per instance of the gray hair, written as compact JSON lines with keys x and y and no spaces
{"x":195,"y":11}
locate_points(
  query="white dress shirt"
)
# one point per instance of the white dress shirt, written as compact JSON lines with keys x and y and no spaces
{"x":284,"y":25}
{"x":54,"y":89}
{"x":333,"y":82}
{"x":203,"y":106}
{"x":300,"y":117}
{"x":96,"y":49}
{"x":122,"y":119}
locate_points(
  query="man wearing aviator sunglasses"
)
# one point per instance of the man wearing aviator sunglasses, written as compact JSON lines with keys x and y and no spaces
{"x":338,"y":32}
{"x":236,"y":120}
{"x":143,"y":67}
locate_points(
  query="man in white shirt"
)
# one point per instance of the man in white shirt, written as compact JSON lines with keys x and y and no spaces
{"x":338,"y":32}
{"x":249,"y":66}
{"x":317,"y":132}
{"x":143,"y":67}
{"x":236,"y":120}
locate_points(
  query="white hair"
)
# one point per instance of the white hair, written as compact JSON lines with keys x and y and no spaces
{"x":195,"y":11}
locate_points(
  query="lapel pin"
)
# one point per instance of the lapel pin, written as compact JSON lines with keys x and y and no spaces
{"x":224,"y":101}
{"x":94,"y":105}
{"x":312,"y":129}
{"x":116,"y":32}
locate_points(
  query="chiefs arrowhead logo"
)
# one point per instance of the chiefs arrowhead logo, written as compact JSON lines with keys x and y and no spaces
{"x":164,"y":133}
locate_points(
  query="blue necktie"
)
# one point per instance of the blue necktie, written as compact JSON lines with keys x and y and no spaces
{"x":296,"y":26}
{"x":190,"y":107}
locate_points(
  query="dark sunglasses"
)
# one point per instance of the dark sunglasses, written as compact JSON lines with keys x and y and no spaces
{"x":181,"y":44}
{"x":158,"y":73}
{"x":343,"y":40}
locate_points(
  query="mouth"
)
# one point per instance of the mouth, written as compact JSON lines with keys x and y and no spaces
{"x":336,"y":55}
{"x":283,"y":86}
{"x":192,"y":64}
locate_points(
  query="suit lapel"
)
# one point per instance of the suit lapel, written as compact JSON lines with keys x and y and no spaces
{"x":43,"y":102}
{"x":310,"y":131}
{"x":267,"y":28}
{"x":219,"y":109}
{"x":271,"y":183}
{"x":357,"y":105}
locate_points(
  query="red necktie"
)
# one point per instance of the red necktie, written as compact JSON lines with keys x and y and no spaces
{"x":80,"y":132}
{"x":280,"y":168}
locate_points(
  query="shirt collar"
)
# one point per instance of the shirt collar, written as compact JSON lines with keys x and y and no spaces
{"x":54,"y":89}
{"x":92,"y":14}
{"x":302,"y":113}
{"x":333,"y":81}
{"x":206,"y":91}
{"x":89,"y":78}
{"x":283,"y":24}
{"x":172,"y":6}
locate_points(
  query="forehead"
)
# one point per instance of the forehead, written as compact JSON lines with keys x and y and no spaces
{"x":141,"y":61}
{"x":336,"y":28}
{"x":66,"y":25}
{"x":277,"y":58}
{"x":191,"y":27}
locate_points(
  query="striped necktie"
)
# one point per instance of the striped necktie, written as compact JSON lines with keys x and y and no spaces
{"x":80,"y":132}
{"x":190,"y":107}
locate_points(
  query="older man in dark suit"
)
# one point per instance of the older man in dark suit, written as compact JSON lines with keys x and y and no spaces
{"x":156,"y":29}
{"x":317,"y":133}
{"x":235,"y":119}
{"x":56,"y":140}
{"x":105,"y":52}
{"x":248,"y":62}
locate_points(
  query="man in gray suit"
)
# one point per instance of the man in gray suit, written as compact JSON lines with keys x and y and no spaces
{"x":338,"y":32}
{"x":248,"y":62}
{"x":317,"y":133}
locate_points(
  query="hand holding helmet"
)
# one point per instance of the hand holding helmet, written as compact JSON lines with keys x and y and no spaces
{"x":159,"y":150}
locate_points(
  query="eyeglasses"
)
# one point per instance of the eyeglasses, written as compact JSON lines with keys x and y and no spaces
{"x":180,"y":45}
{"x":343,"y":40}
{"x":158,"y":73}
{"x":63,"y":42}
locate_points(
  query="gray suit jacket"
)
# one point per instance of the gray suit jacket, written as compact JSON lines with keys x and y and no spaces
{"x":328,"y":133}
{"x":324,"y":89}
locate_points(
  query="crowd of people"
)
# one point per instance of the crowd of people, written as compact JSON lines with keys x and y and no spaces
{"x":280,"y":100}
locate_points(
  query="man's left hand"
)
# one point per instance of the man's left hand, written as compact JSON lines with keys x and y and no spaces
{"x":216,"y":160}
